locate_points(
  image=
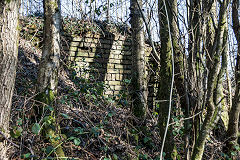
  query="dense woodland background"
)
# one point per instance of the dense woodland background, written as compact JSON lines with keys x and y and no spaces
{"x":47,"y":111}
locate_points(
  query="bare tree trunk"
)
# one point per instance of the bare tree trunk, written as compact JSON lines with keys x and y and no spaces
{"x":194,"y":72}
{"x":179,"y":79}
{"x":213,"y":79}
{"x":139,"y":84}
{"x":232,"y":132}
{"x":166,"y":71}
{"x":49,"y":65}
{"x":8,"y":62}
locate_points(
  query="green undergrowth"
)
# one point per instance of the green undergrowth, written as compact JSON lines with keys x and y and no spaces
{"x":94,"y":90}
{"x":91,"y":124}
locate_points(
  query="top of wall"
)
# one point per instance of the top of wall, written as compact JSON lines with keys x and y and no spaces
{"x":32,"y":28}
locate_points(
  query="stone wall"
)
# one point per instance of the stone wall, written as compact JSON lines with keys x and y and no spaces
{"x":107,"y":58}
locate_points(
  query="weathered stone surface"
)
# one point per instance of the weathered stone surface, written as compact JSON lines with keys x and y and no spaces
{"x":89,"y":35}
{"x":83,"y":65}
{"x":97,"y":36}
{"x":91,"y":55}
{"x":114,"y":83}
{"x":84,"y":59}
{"x":108,"y":77}
{"x":111,"y":56}
{"x":117,"y":77}
{"x":110,"y":66}
{"x":116,"y":52}
{"x":113,"y":77}
{"x":78,"y":39}
{"x":81,"y":44}
{"x":88,"y":39}
{"x":109,"y":92}
{"x":106,"y":58}
{"x":112,"y":87}
{"x":119,"y":57}
{"x":73,"y":48}
{"x":74,"y":44}
{"x":82,"y":54}
{"x":118,"y":66}
{"x":115,"y":61}
{"x":113,"y":71}
{"x":114,"y":47}
{"x":118,"y":43}
{"x":121,"y":38}
{"x":93,"y":50}
{"x":118,"y":88}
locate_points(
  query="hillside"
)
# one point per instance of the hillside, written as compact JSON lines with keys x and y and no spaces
{"x":92,"y":126}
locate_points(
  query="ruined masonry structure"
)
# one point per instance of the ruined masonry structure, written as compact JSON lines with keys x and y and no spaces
{"x":107,"y":58}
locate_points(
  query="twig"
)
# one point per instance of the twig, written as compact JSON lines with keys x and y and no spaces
{"x":9,"y":140}
{"x":90,"y":154}
{"x":155,"y":55}
{"x":185,"y":118}
{"x":31,"y":98}
{"x":171,"y":90}
{"x":34,"y":35}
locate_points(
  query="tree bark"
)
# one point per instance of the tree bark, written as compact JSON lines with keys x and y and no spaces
{"x":166,"y":71}
{"x":139,"y":83}
{"x":8,"y":62}
{"x":179,"y":79}
{"x":214,"y":73}
{"x":232,"y":132}
{"x":194,"y":73}
{"x":49,"y":66}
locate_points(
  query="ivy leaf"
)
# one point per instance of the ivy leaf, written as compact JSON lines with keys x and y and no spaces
{"x":50,"y":108}
{"x":16,"y":132}
{"x":36,"y":128}
{"x":110,"y":114}
{"x":94,"y":97}
{"x":71,"y":138}
{"x":146,"y":139}
{"x":19,"y":121}
{"x":115,"y":157}
{"x":49,"y":149}
{"x":26,"y":156}
{"x":77,"y":141}
{"x":65,"y":115}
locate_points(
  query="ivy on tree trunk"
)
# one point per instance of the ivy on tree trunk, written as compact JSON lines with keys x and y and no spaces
{"x":49,"y":66}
